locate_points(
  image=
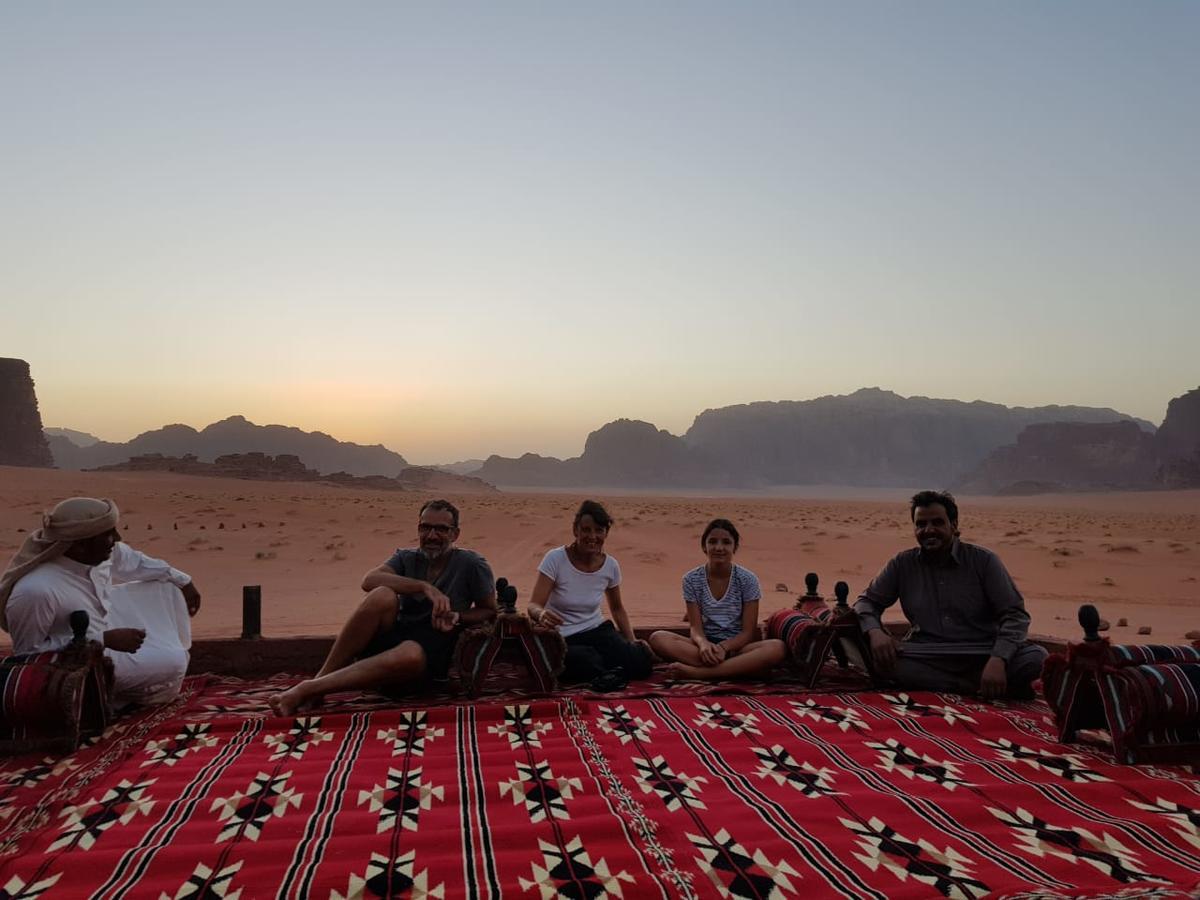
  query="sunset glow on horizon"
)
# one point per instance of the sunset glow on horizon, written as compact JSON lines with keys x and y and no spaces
{"x":468,"y":229}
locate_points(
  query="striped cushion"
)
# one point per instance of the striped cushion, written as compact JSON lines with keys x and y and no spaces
{"x":1163,"y":695}
{"x":806,"y":635}
{"x":542,"y":651}
{"x":48,"y":701}
{"x":1138,"y":654}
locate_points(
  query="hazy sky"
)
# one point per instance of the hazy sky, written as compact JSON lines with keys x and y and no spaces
{"x":460,"y":229}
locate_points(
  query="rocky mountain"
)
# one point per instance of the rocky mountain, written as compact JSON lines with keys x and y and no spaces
{"x":78,"y":438}
{"x":22,"y":442}
{"x":235,"y":435}
{"x":434,"y":480}
{"x":528,"y":470}
{"x":1112,"y":456}
{"x":870,"y":438}
{"x":1068,"y":456}
{"x":626,"y":452}
{"x":462,"y":467}
{"x":1179,"y":443}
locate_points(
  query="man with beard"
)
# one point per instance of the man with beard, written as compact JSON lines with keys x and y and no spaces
{"x":406,"y":626}
{"x":969,"y":628}
{"x":138,"y":607}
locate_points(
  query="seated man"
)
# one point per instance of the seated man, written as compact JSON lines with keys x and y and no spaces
{"x":406,"y":626}
{"x":137,"y":606}
{"x":969,"y":624}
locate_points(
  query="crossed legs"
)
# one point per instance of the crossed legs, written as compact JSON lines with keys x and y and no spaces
{"x":753,"y":659}
{"x":960,"y":674}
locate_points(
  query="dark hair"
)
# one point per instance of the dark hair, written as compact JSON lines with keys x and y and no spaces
{"x":444,"y":505}
{"x":724,"y":525}
{"x":927,"y":498}
{"x":598,"y":513}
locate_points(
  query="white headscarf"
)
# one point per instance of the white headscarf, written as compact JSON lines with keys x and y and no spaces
{"x":72,"y":520}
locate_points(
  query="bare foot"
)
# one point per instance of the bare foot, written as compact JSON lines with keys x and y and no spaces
{"x":678,"y":671}
{"x":286,"y":703}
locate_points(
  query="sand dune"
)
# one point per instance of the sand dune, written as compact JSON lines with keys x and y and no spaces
{"x":1135,"y":555}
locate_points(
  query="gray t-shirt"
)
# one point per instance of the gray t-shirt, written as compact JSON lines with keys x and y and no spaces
{"x":466,"y":580}
{"x":722,"y":617}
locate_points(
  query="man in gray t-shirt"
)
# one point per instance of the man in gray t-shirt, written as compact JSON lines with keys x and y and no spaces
{"x":408,"y":623}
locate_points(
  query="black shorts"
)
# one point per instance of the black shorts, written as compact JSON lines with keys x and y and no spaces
{"x":438,"y":645}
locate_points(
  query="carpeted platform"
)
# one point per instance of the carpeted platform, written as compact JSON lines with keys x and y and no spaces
{"x":687,"y":792}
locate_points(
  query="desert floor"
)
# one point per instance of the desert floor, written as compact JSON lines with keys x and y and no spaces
{"x":1135,"y":555}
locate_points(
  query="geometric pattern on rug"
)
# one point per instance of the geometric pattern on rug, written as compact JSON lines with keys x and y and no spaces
{"x":757,"y":795}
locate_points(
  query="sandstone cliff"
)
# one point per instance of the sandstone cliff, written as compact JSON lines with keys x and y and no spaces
{"x":626,"y":452}
{"x":22,"y":442}
{"x":1179,"y":443}
{"x":1068,"y":456}
{"x":1096,"y":457}
{"x":869,"y":438}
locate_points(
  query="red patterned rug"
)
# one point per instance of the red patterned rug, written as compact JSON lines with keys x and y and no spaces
{"x":685,"y":793}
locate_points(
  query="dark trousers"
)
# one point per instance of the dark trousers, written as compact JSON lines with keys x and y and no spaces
{"x":597,"y":650}
{"x":960,"y":674}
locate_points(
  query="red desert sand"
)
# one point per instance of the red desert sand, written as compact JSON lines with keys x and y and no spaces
{"x":1135,"y":555}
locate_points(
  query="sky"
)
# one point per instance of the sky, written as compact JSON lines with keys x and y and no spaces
{"x":469,"y":228}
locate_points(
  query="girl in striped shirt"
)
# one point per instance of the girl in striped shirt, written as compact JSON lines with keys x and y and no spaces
{"x":721,"y":599}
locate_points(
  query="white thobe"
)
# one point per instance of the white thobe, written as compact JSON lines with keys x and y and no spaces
{"x":129,"y":590}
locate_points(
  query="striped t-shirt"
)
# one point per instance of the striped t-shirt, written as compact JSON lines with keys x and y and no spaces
{"x":722,"y":617}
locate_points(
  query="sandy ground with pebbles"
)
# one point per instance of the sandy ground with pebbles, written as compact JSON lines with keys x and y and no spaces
{"x":1136,"y":555}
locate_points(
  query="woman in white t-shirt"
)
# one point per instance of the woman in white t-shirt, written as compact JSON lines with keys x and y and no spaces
{"x":572,"y":582}
{"x":722,"y":613}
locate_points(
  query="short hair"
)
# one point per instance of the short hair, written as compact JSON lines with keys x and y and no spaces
{"x":598,"y":513}
{"x":928,"y":498}
{"x":724,"y":525}
{"x":443,"y":505}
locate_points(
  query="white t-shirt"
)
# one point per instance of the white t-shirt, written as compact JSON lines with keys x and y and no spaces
{"x":576,"y":595}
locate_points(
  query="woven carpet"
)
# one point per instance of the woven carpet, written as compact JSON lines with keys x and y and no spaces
{"x":771,"y":793}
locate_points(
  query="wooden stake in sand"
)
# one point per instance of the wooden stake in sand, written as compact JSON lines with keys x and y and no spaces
{"x":251,"y":612}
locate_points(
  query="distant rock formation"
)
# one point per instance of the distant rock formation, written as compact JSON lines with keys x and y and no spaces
{"x":22,"y":442}
{"x":78,"y":438}
{"x":253,"y":466}
{"x":1179,"y":443}
{"x":1068,"y":456}
{"x":527,"y":470}
{"x":431,"y":479}
{"x":235,"y":435}
{"x":462,"y":467}
{"x":288,"y":467}
{"x":637,"y":454}
{"x":626,"y":452}
{"x":869,"y":438}
{"x":1114,"y":456}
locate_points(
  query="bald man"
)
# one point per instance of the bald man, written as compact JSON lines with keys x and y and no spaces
{"x":138,"y":607}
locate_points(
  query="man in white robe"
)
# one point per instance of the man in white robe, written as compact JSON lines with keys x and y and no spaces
{"x":138,"y":607}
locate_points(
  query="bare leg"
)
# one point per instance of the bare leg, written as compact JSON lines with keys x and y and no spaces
{"x":649,"y":650}
{"x":675,"y":647}
{"x":754,"y":659}
{"x":376,"y":613}
{"x":402,"y":663}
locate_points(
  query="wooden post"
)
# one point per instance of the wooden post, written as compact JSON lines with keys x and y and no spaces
{"x":251,"y":612}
